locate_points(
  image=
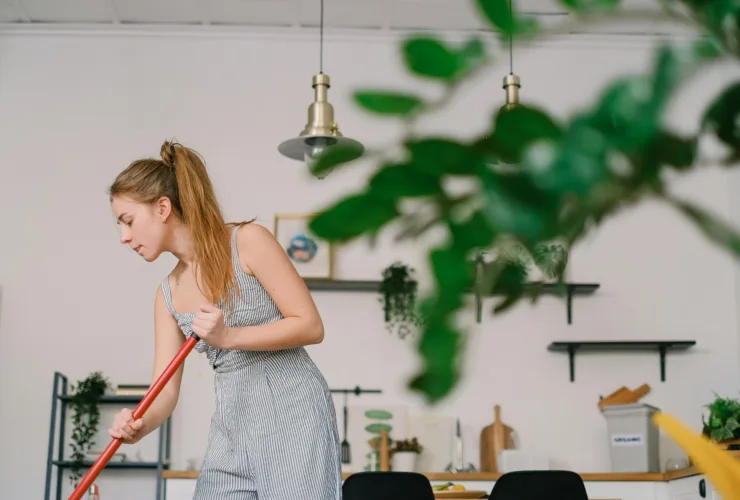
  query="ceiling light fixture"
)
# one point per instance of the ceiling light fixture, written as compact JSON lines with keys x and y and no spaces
{"x":321,"y":131}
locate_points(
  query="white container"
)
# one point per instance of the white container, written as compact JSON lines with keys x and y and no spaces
{"x":404,"y":461}
{"x":633,"y":438}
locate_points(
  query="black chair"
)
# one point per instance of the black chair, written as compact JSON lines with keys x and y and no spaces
{"x":539,"y":485}
{"x":387,"y":486}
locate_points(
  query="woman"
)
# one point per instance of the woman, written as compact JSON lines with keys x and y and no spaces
{"x":274,"y":433}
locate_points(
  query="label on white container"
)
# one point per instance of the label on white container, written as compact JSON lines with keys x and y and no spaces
{"x":627,"y":440}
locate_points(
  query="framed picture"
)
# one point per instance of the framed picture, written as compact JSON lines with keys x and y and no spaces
{"x":311,"y":256}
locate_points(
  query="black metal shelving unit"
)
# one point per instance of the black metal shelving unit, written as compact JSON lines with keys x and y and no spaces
{"x":56,"y":461}
{"x":660,"y":346}
{"x":565,"y":290}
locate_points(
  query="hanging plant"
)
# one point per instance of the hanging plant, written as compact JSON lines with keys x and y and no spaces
{"x":398,"y":296}
{"x":84,"y":404}
{"x":551,"y":259}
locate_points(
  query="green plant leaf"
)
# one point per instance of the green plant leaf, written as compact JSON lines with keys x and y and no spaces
{"x":335,"y":156}
{"x":452,"y":274}
{"x":353,"y":216}
{"x":721,"y":17}
{"x":475,"y":232}
{"x":551,"y":259}
{"x":513,"y":204}
{"x":584,"y":6}
{"x":472,"y":55}
{"x":719,"y":232}
{"x":517,"y":128}
{"x":430,"y":57}
{"x":673,"y":62}
{"x":442,"y":156}
{"x":722,"y":118}
{"x":625,"y":113}
{"x":387,"y":102}
{"x":398,"y":181}
{"x":505,"y":19}
{"x":439,"y":347}
{"x":666,"y":149}
{"x":679,"y":152}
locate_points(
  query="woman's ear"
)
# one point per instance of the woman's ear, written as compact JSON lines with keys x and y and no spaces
{"x":163,"y":208}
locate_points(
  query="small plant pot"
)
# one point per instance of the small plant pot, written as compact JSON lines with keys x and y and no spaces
{"x":404,"y":461}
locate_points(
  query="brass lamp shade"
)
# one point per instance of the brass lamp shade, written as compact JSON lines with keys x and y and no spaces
{"x":321,"y":131}
{"x":511,"y":86}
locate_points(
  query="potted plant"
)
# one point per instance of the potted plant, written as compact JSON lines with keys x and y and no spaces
{"x":404,"y":455}
{"x":84,"y":403}
{"x":398,"y":295}
{"x":723,"y":423}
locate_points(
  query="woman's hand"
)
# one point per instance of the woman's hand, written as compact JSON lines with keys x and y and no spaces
{"x":208,"y":324}
{"x":125,"y":427}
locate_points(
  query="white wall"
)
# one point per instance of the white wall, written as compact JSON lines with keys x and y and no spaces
{"x":76,"y":108}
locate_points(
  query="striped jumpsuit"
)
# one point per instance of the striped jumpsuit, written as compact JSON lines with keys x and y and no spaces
{"x":273,"y":434}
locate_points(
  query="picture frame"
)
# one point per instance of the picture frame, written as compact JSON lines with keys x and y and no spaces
{"x":312,"y":256}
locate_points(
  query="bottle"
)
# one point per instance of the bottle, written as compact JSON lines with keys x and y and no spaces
{"x":93,"y":493}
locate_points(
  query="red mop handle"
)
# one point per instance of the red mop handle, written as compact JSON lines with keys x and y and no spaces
{"x":138,"y":412}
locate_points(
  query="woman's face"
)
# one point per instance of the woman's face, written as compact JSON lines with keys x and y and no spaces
{"x":143,"y":226}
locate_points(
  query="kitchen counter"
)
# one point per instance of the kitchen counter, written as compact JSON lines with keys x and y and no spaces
{"x":683,"y":484}
{"x":493,"y":476}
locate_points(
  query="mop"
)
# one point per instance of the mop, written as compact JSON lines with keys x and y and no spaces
{"x":138,"y":412}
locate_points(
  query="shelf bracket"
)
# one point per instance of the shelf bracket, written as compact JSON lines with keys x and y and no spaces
{"x":569,"y":305}
{"x":662,"y":350}
{"x":572,"y":362}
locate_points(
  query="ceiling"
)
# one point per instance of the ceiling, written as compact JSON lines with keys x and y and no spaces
{"x":352,"y":14}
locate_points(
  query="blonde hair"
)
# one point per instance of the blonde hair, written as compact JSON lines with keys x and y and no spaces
{"x":180,"y":175}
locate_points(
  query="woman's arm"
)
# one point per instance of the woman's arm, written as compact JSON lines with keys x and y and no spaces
{"x":168,"y":339}
{"x":261,"y":255}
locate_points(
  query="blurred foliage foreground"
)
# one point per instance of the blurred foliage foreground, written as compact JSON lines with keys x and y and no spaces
{"x":537,"y":179}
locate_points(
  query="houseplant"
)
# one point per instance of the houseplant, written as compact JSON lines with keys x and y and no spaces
{"x":723,"y":423}
{"x":84,"y":403}
{"x":398,"y":290}
{"x":571,"y":173}
{"x":404,"y":455}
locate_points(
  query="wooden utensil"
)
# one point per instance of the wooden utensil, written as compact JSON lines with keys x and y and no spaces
{"x":494,"y":439}
{"x":624,"y":396}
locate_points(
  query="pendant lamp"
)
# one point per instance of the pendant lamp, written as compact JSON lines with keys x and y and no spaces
{"x":321,"y":131}
{"x":511,"y":86}
{"x":512,"y":83}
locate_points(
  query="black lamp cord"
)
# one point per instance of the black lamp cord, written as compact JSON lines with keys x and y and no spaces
{"x":321,"y":39}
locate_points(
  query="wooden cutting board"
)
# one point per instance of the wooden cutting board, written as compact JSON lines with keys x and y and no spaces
{"x":494,"y":438}
{"x":460,"y":494}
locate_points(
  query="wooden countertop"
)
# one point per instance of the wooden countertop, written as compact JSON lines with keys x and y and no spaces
{"x":493,"y":476}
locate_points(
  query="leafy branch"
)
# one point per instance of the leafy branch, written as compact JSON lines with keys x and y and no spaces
{"x":536,"y":178}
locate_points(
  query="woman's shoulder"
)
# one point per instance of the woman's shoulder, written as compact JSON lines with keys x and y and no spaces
{"x":251,"y":233}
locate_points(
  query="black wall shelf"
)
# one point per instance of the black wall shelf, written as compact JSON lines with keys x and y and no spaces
{"x":322,"y":285}
{"x":55,"y":459}
{"x":566,"y":290}
{"x":661,"y":346}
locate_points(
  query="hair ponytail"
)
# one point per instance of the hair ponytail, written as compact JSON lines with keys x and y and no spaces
{"x":201,"y":213}
{"x":181,"y":176}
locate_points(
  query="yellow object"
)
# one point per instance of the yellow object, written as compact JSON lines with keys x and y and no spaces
{"x":442,"y":487}
{"x":722,"y":470}
{"x":448,"y":486}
